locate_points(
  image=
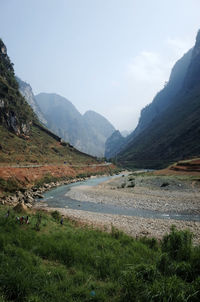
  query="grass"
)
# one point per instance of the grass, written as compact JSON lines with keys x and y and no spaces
{"x":40,"y":148}
{"x":55,"y":262}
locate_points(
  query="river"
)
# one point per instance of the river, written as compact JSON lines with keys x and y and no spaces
{"x":56,"y":198}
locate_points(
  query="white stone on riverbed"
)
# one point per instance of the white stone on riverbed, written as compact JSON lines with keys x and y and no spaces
{"x":155,"y":199}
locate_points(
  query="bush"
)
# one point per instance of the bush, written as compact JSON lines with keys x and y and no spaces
{"x":178,"y":244}
{"x":10,"y":185}
{"x":56,"y":215}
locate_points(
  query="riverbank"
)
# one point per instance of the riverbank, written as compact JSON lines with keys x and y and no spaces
{"x":146,"y":192}
{"x":14,"y":178}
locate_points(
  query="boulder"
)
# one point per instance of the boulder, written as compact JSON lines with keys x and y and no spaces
{"x":20,"y":207}
{"x":29,"y":205}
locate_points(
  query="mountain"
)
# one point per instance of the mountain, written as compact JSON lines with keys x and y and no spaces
{"x":99,"y":124}
{"x":164,"y":98}
{"x":26,"y":90}
{"x":125,"y":133}
{"x":159,"y":104}
{"x":23,"y":139}
{"x":12,"y":117}
{"x":169,"y":128}
{"x":87,"y":132}
{"x":114,"y":144}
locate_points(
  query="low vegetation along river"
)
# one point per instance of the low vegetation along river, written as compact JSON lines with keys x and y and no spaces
{"x":139,"y":205}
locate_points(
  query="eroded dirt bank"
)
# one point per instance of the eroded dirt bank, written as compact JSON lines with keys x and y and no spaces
{"x":28,"y":176}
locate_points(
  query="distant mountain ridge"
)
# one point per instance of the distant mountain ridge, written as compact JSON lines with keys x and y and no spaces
{"x":169,"y":127}
{"x":87,"y":132}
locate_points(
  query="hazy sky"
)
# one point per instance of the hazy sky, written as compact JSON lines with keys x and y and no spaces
{"x":111,"y":56}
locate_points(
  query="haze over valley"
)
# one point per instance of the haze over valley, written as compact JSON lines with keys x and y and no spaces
{"x":99,"y":151}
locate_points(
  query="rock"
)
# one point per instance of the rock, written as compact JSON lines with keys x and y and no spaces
{"x":29,"y":199}
{"x":13,"y":198}
{"x":29,"y":205}
{"x":20,"y":207}
{"x":19,"y":194}
{"x":46,"y":186}
{"x":164,"y":184}
{"x":38,"y":195}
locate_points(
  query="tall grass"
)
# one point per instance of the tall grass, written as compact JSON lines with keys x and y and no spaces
{"x":69,"y":263}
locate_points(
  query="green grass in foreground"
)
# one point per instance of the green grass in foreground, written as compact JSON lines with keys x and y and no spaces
{"x":45,"y":261}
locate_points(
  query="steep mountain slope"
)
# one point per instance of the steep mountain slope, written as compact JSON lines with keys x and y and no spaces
{"x":173,"y":133}
{"x":164,"y":98}
{"x":22,"y":138}
{"x":99,"y":124}
{"x":87,"y":133}
{"x":159,"y":104}
{"x":114,"y":144}
{"x":62,"y":116}
{"x":125,"y":133}
{"x":26,"y":90}
{"x":12,"y":117}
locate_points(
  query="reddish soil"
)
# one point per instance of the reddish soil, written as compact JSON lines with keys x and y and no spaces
{"x":190,"y":167}
{"x":28,"y":175}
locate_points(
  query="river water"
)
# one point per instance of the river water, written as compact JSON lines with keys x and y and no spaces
{"x":56,"y":198}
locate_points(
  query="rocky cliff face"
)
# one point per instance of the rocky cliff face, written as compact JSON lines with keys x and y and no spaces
{"x":192,"y":78}
{"x":27,"y":92}
{"x":15,"y":114}
{"x":169,"y":128}
{"x":164,"y":98}
{"x":87,"y":133}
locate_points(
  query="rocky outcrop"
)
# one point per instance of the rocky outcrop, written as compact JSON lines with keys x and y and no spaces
{"x":28,"y":197}
{"x":27,"y":92}
{"x":15,"y":113}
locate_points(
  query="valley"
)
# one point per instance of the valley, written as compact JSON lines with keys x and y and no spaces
{"x":88,"y":214}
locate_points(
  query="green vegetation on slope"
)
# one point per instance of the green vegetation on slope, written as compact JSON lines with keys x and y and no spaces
{"x":47,"y":261}
{"x":39,"y":148}
{"x":15,"y":114}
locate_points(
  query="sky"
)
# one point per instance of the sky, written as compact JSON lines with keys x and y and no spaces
{"x":110,"y":56}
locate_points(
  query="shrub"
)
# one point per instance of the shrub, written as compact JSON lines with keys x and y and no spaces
{"x":56,"y":215}
{"x":10,"y":185}
{"x":178,"y":244}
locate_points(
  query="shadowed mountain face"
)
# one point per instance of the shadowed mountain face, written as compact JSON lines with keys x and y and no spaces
{"x":87,"y":133}
{"x":114,"y":144}
{"x":169,"y":128}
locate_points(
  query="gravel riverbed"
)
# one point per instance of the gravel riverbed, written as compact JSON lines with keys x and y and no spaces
{"x":152,"y":193}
